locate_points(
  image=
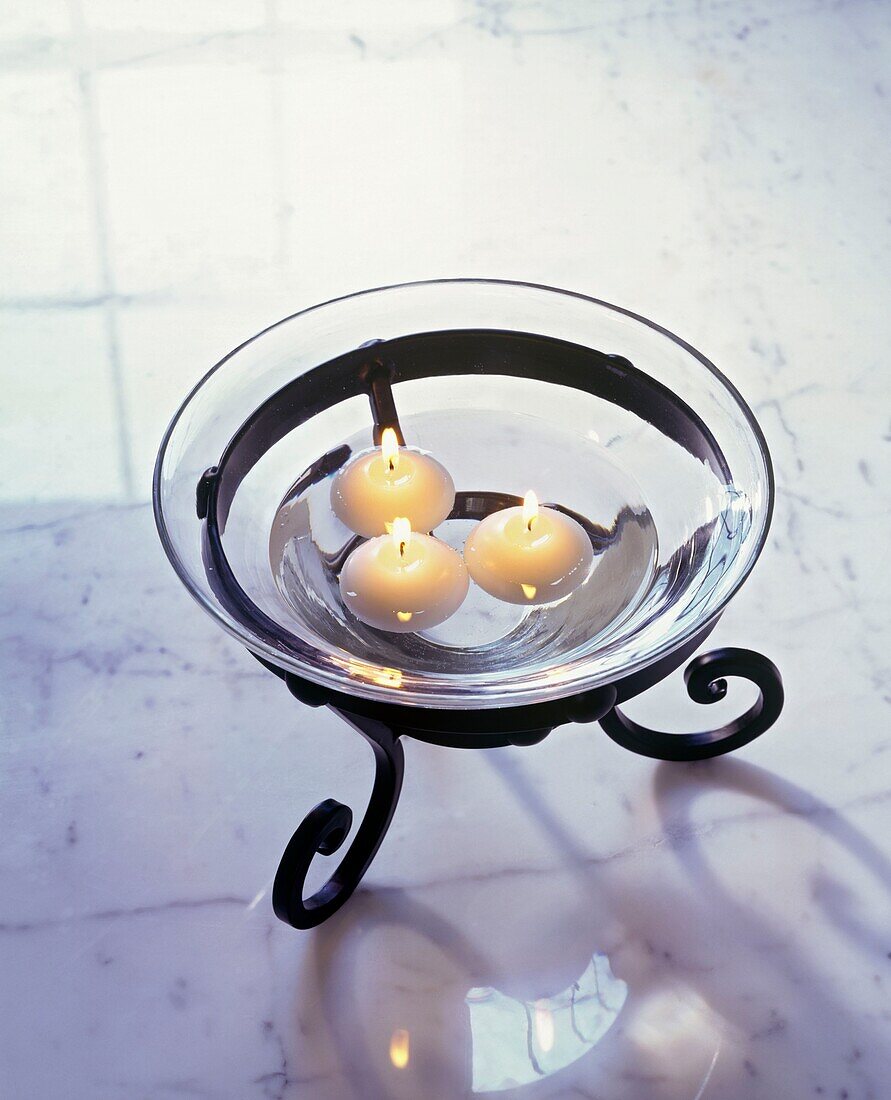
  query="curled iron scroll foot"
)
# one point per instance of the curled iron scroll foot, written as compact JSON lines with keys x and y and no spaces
{"x":706,"y":683}
{"x":326,"y":827}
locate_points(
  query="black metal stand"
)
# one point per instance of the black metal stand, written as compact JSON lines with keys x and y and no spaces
{"x":705,"y":682}
{"x":326,"y":827}
{"x":324,"y":830}
{"x":373,"y":369}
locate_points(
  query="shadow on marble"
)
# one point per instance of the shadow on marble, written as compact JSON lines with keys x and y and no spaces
{"x":415,"y":1031}
{"x":717,"y":1004}
{"x":482,"y":1035}
{"x":368,"y":1062}
{"x":676,"y":790}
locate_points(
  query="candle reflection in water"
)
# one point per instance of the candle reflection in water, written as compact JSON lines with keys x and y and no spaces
{"x":516,"y":1042}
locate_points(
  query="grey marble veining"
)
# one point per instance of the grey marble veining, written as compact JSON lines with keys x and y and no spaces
{"x":177,"y":176}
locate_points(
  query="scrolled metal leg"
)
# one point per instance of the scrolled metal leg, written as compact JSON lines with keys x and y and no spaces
{"x":324,"y":829}
{"x":704,"y":677}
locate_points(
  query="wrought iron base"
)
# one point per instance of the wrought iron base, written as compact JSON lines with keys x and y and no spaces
{"x":706,"y":683}
{"x":325,"y":828}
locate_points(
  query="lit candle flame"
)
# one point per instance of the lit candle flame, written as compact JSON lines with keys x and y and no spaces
{"x":529,"y":591}
{"x":399,"y":1048}
{"x":401,"y":534}
{"x":530,"y":509}
{"x":390,"y":448}
{"x":404,"y":616}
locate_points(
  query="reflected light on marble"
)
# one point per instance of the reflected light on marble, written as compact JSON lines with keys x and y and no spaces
{"x":678,"y":1032}
{"x":399,"y":1048}
{"x":544,"y":1025}
{"x":518,"y":1042}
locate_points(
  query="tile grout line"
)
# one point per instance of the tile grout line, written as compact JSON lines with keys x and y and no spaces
{"x":276,"y":134}
{"x":92,"y":152}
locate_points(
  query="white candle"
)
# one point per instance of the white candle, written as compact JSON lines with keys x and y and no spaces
{"x":529,"y":555}
{"x":403,"y":581}
{"x":375,"y":487}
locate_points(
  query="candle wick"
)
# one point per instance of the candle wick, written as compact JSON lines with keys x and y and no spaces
{"x":532,"y":520}
{"x":401,"y":549}
{"x":390,"y":464}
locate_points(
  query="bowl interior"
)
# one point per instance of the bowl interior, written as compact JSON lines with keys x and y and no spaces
{"x":674,"y":533}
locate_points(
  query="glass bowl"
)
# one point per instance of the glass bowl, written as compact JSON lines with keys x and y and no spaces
{"x":512,"y":387}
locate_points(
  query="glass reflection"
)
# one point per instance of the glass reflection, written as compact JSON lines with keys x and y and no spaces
{"x":516,"y":1042}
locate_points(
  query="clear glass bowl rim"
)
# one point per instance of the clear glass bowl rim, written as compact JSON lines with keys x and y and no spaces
{"x":340,"y":681}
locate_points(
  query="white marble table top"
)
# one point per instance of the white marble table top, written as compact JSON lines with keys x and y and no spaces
{"x":177,"y":175}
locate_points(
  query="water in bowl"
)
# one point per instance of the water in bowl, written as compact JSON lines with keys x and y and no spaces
{"x":510,"y":454}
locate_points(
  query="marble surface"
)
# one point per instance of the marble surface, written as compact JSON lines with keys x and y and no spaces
{"x":566,"y":917}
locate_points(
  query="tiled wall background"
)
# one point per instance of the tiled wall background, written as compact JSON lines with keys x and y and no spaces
{"x":177,"y":175}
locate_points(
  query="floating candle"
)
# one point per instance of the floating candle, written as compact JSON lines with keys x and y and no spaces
{"x":375,"y":487}
{"x":529,"y":555}
{"x":403,"y":581}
